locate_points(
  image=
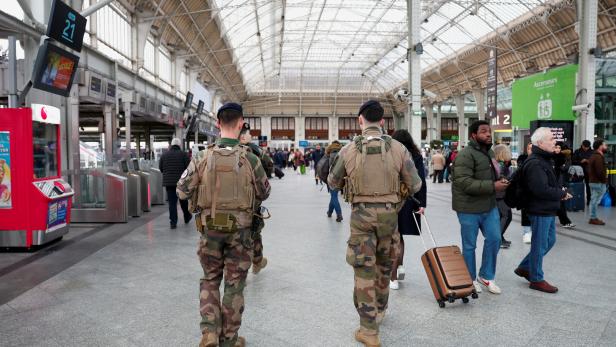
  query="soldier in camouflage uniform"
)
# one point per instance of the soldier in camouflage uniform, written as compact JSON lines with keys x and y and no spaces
{"x":258,"y":260}
{"x":372,"y":169}
{"x":223,"y":184}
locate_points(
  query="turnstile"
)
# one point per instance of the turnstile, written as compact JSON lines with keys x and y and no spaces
{"x":103,"y":197}
{"x":134,"y":188}
{"x":146,"y":186}
{"x":156,"y":181}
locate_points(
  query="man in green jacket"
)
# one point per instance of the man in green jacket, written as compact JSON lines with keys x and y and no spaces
{"x":475,"y":182}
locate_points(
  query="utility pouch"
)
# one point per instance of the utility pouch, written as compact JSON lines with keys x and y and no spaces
{"x":223,"y":222}
{"x":199,"y":224}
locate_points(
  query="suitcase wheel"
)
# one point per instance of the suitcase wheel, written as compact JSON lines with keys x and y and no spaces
{"x":465,"y":300}
{"x":474,"y":295}
{"x":451,"y":299}
{"x":441,"y":303}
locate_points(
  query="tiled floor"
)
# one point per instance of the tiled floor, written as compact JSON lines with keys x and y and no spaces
{"x":137,"y":285}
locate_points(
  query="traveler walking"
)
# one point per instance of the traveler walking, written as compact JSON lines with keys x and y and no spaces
{"x":334,"y":204}
{"x":224,"y":221}
{"x":544,"y":194}
{"x":502,"y":154}
{"x":474,"y":188}
{"x":562,"y":162}
{"x":525,"y":221}
{"x":172,"y":163}
{"x":438,"y":165}
{"x":374,"y":216}
{"x":258,"y":260}
{"x":316,"y":157}
{"x":581,"y":157}
{"x":597,"y":178}
{"x":412,"y":208}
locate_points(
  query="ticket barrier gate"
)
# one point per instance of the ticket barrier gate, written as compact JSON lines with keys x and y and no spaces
{"x":101,"y":197}
{"x":146,"y":186}
{"x":133,"y":186}
{"x":157,"y":195}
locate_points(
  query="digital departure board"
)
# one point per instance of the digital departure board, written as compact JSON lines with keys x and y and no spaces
{"x":66,"y":25}
{"x":189,"y":100}
{"x":200,"y":106}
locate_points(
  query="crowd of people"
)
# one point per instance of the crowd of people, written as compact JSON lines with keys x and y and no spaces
{"x":487,"y":185}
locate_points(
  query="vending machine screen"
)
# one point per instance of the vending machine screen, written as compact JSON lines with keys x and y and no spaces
{"x":45,"y":145}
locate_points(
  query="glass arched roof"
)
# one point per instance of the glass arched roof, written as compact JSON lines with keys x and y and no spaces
{"x":349,"y":46}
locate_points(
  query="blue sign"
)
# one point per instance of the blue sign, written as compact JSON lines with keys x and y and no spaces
{"x":5,"y":169}
{"x":303,"y":143}
{"x":58,"y":211}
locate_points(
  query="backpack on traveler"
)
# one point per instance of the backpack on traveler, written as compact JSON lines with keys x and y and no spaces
{"x":325,"y":164}
{"x":515,"y":194}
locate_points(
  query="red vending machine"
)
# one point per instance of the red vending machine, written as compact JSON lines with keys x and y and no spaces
{"x":35,"y":202}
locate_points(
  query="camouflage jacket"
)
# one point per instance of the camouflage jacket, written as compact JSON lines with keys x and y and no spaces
{"x":190,"y":180}
{"x":408,"y":172}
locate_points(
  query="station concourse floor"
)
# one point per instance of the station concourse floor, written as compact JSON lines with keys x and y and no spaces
{"x":136,"y":284}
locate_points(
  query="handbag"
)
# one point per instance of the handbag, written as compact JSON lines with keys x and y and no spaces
{"x":606,"y":201}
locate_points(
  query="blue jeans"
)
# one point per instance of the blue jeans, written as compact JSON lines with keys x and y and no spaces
{"x":334,"y":204}
{"x":489,"y":223}
{"x":544,"y":238}
{"x":597,"y":190}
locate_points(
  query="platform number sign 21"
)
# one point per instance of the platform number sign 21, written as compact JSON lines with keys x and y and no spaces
{"x":66,"y":25}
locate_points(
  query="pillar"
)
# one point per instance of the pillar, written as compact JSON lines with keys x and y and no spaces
{"x":480,"y":100}
{"x":74,"y":164}
{"x":429,"y":123}
{"x":110,"y":130}
{"x":462,"y":138}
{"x":587,"y":14}
{"x":439,"y":125}
{"x":300,"y":134}
{"x":127,"y":127}
{"x":266,"y":127}
{"x":333,"y":128}
{"x":413,"y":117}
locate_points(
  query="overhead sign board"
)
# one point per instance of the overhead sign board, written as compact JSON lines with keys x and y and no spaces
{"x":303,"y":143}
{"x":66,"y":25}
{"x":54,"y":69}
{"x":544,"y":96}
{"x":492,"y":84}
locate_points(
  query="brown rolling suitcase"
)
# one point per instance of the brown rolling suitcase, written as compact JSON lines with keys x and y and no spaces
{"x":446,"y":271}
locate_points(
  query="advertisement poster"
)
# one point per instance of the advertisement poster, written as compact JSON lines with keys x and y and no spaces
{"x":492,"y":84}
{"x":57,"y":213}
{"x":58,"y":71}
{"x":544,"y":96}
{"x":5,"y":170}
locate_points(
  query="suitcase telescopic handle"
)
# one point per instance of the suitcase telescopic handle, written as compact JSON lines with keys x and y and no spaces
{"x":427,"y":227}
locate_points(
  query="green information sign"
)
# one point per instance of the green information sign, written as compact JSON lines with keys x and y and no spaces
{"x":544,"y":96}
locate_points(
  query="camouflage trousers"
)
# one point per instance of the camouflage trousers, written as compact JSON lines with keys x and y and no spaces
{"x":371,"y":250}
{"x":227,"y":254}
{"x":257,"y":249}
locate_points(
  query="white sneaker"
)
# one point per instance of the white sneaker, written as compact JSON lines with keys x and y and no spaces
{"x":394,"y":285}
{"x":401,"y":273}
{"x":477,"y":287}
{"x":527,"y":237}
{"x":491,"y":285}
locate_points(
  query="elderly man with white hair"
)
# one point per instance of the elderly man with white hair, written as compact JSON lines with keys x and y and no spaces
{"x":172,"y":164}
{"x":544,"y":194}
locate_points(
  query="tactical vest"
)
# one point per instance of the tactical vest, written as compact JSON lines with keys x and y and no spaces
{"x":375,"y":177}
{"x":226,"y":188}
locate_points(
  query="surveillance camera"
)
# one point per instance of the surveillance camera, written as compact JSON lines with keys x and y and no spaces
{"x":429,"y":94}
{"x":582,"y":108}
{"x":402,"y":94}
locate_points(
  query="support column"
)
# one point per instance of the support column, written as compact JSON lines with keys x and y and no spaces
{"x":266,"y":127}
{"x":439,"y":124}
{"x":413,"y":117}
{"x":587,"y":15}
{"x":333,"y":128}
{"x":480,"y":100}
{"x":127,"y":127}
{"x":74,"y":165}
{"x":110,"y":129}
{"x":462,"y":138}
{"x":300,"y":134}
{"x":429,"y":123}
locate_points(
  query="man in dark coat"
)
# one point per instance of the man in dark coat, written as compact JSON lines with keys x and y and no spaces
{"x":544,"y":193}
{"x":172,"y":164}
{"x":316,"y":156}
